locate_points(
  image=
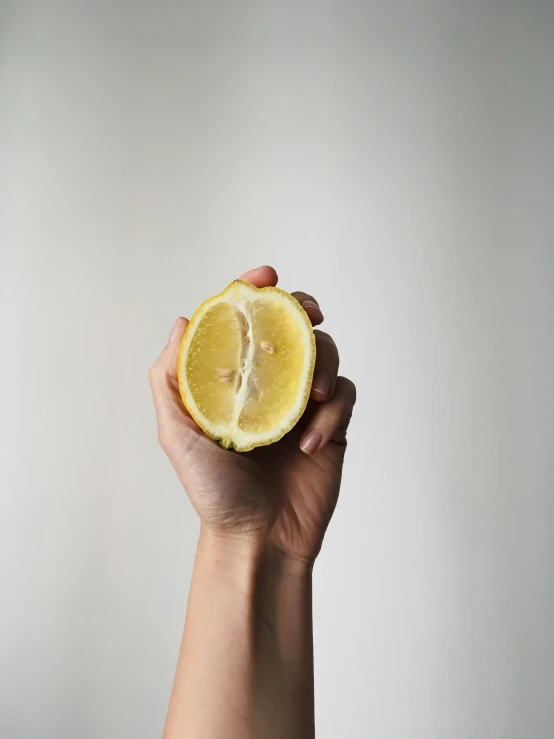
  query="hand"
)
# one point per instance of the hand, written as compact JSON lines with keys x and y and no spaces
{"x":282,"y":495}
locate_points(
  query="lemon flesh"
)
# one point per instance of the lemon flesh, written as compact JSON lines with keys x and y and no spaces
{"x":246,"y":364}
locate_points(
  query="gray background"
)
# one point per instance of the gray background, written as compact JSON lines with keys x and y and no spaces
{"x":396,"y":160}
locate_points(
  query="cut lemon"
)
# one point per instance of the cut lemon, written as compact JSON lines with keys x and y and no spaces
{"x":245,"y":365}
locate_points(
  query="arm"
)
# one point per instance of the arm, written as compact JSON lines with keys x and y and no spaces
{"x":246,"y":665}
{"x":245,"y":669}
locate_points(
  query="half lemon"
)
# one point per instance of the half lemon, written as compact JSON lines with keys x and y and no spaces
{"x":245,"y":365}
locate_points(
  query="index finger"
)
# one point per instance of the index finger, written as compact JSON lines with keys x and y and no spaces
{"x":311,"y":306}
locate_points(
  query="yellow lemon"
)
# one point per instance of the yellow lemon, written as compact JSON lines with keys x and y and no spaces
{"x":245,"y":365}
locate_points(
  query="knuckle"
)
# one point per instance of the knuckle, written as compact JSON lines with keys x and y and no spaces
{"x":163,"y":437}
{"x":349,"y":387}
{"x":327,"y":347}
{"x":300,"y":295}
{"x":325,"y":340}
{"x":340,"y":437}
{"x":155,"y":374}
{"x":345,"y":423}
{"x":322,"y":335}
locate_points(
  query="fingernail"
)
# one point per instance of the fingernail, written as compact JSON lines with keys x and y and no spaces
{"x":322,"y":383}
{"x":311,"y":441}
{"x":174,"y":330}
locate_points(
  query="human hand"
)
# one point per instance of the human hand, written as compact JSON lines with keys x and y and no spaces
{"x":283,"y":495}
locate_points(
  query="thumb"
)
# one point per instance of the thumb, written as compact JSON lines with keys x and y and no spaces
{"x":164,"y":382}
{"x":168,"y":357}
{"x":166,"y":365}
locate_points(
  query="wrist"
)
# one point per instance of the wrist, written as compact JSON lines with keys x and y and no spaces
{"x":246,"y":557}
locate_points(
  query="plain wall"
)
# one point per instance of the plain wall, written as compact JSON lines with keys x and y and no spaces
{"x":396,"y":160}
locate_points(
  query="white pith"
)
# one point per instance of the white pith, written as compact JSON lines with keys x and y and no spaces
{"x":245,"y":369}
{"x":241,"y":296}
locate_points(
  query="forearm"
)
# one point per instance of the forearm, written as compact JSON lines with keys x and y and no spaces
{"x":246,"y":662}
{"x":284,"y":673}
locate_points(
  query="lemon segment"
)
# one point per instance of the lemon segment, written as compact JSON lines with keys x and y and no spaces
{"x":278,"y":372}
{"x":246,"y":364}
{"x":215,"y":345}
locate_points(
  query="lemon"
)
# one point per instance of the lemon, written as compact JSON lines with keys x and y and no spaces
{"x":245,"y":365}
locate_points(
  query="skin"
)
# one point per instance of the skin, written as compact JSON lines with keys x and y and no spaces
{"x":246,"y":662}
